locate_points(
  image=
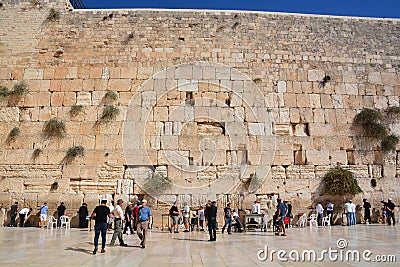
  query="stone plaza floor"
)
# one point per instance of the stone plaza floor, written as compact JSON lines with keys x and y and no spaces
{"x":73,"y":247}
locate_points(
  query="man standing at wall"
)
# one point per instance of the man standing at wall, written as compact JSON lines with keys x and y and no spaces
{"x":329,"y":211}
{"x":43,"y":214}
{"x":118,"y":217}
{"x":83,"y":212}
{"x":390,"y":212}
{"x":100,"y":215}
{"x":211,"y":215}
{"x":14,"y":212}
{"x":144,"y":221}
{"x":281,"y":212}
{"x":174,"y":214}
{"x":186,"y":214}
{"x":22,"y":215}
{"x":320,"y":213}
{"x":367,"y":211}
{"x":60,"y":212}
{"x":348,"y":210}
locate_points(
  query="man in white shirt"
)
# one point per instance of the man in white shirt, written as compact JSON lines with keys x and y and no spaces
{"x":23,"y":214}
{"x":256,"y":208}
{"x":329,"y":210}
{"x":118,"y":216}
{"x":320,"y":213}
{"x":186,"y":214}
{"x":348,"y":209}
{"x":110,"y":220}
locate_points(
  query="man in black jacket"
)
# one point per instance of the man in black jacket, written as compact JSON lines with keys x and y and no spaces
{"x":211,"y":215}
{"x":367,"y":211}
{"x":390,"y":212}
{"x":83,"y":212}
{"x":14,"y":212}
{"x":128,"y":218}
{"x":61,"y":212}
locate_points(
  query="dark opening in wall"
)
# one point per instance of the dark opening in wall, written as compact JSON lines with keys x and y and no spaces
{"x":299,"y":157}
{"x":350,"y":157}
{"x":191,"y":161}
{"x":189,"y":98}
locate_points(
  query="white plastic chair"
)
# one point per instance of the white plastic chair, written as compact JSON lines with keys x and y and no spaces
{"x":51,"y":221}
{"x":65,"y":221}
{"x":302,"y":222}
{"x":326,"y":221}
{"x":313,"y":220}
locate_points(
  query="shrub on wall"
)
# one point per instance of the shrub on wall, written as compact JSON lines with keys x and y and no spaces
{"x":75,"y":110}
{"x":53,"y":15}
{"x":110,"y":112}
{"x":20,"y":89}
{"x":4,"y":92}
{"x":54,"y":128}
{"x":339,"y":181}
{"x":372,"y":123}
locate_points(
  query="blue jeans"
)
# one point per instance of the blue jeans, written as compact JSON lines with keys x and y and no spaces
{"x":100,"y":227}
{"x":350,"y":218}
{"x":228,"y":221}
{"x":353,"y":214}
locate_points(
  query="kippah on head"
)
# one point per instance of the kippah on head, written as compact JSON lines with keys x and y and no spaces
{"x":103,"y":201}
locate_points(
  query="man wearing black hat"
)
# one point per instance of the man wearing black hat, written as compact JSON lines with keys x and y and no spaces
{"x":118,"y":216}
{"x":211,"y":215}
{"x":367,"y":211}
{"x":100,"y":215}
{"x":60,"y":212}
{"x":390,"y":212}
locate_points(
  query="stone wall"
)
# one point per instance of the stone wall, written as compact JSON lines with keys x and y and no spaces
{"x":208,"y":98}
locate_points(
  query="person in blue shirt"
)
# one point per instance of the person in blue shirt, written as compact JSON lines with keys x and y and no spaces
{"x":281,"y":212}
{"x":43,"y":214}
{"x":144,"y":221}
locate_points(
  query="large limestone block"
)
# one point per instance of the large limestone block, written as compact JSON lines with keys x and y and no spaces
{"x":315,"y":75}
{"x":317,"y":157}
{"x":9,"y":114}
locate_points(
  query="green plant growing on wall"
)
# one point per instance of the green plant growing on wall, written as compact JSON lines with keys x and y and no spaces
{"x":54,"y":128}
{"x":110,"y":112}
{"x":4,"y":92}
{"x":36,"y":153}
{"x":14,"y":133}
{"x":111,"y":95}
{"x":75,"y":151}
{"x":20,"y":89}
{"x":75,"y":110}
{"x":372,"y":123}
{"x":339,"y":181}
{"x":53,"y":15}
{"x":389,"y":143}
{"x":157,"y":183}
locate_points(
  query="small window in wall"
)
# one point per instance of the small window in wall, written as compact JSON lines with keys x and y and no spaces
{"x":191,"y":161}
{"x":299,"y":157}
{"x":189,"y":98}
{"x":350,"y":157}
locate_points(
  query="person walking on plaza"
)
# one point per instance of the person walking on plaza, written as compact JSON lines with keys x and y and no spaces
{"x":367,"y":211}
{"x":390,"y":212}
{"x":320,"y":213}
{"x":174,"y":214}
{"x":144,"y":221}
{"x":43,"y":214}
{"x":14,"y":213}
{"x":111,"y":219}
{"x":348,"y":209}
{"x":128,"y":218}
{"x":100,"y":215}
{"x":329,"y":211}
{"x":281,"y":214}
{"x":211,"y":215}
{"x":201,"y":218}
{"x":23,"y":214}
{"x":83,"y":213}
{"x":60,"y":212}
{"x":118,"y":217}
{"x":228,"y":218}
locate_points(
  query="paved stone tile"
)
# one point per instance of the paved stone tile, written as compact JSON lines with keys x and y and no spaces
{"x":60,"y":247}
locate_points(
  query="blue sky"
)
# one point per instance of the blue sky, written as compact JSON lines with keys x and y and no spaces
{"x":363,"y":8}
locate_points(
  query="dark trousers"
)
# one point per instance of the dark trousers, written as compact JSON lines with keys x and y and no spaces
{"x":128,"y":224}
{"x":12,"y":221}
{"x":367,"y":216}
{"x":117,"y":232}
{"x":100,"y":228}
{"x":319,"y":218}
{"x":21,"y":220}
{"x":83,"y":223}
{"x":212,"y":228}
{"x":390,"y":216}
{"x":59,"y":220}
{"x":228,"y":222}
{"x":331,"y":213}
